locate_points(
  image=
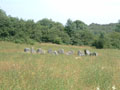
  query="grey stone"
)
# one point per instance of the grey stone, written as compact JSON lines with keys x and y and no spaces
{"x":50,"y":51}
{"x":80,"y":53}
{"x":55,"y":53}
{"x":87,"y":52}
{"x":61,"y":51}
{"x":32,"y":50}
{"x":94,"y":54}
{"x":27,"y":50}
{"x":40,"y":51}
{"x":70,"y":52}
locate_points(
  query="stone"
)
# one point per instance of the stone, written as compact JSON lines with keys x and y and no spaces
{"x":80,"y":53}
{"x":32,"y":50}
{"x":27,"y":50}
{"x":70,"y":52}
{"x":94,"y":54}
{"x":50,"y":51}
{"x":87,"y":52}
{"x":40,"y":51}
{"x":61,"y":51}
{"x":55,"y":53}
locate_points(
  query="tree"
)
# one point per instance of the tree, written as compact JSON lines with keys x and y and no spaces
{"x":82,"y":38}
{"x":102,"y":42}
{"x":115,"y":39}
{"x":80,"y":25}
{"x":69,"y":27}
{"x":117,"y":29}
{"x":75,"y":26}
{"x":47,"y":23}
{"x":4,"y":25}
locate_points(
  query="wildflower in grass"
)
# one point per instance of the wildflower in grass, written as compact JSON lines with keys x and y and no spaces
{"x":33,"y":73}
{"x":113,"y":87}
{"x":102,"y":68}
{"x":98,"y":88}
{"x":77,"y":57}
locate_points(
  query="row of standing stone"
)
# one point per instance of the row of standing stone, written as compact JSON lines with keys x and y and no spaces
{"x":60,"y":51}
{"x":32,"y":50}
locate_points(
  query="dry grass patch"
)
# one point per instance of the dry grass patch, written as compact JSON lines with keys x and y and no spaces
{"x":9,"y":65}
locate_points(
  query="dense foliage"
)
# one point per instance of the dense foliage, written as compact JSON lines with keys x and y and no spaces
{"x":45,"y":30}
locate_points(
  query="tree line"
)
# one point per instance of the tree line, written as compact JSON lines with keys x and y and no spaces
{"x":74,"y":32}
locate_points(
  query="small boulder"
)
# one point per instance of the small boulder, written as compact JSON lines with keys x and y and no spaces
{"x":55,"y":53}
{"x":32,"y":50}
{"x":70,"y":52}
{"x":61,"y":51}
{"x":27,"y":50}
{"x":40,"y":51}
{"x":94,"y":54}
{"x":80,"y":53}
{"x":50,"y":51}
{"x":87,"y":52}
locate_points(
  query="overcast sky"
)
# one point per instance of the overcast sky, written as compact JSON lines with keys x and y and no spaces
{"x":88,"y":11}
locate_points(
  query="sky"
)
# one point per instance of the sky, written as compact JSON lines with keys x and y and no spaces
{"x":88,"y":11}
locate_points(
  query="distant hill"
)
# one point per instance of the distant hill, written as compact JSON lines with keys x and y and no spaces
{"x":96,"y":28}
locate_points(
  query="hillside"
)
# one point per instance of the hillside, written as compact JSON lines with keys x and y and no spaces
{"x":97,"y":28}
{"x":26,"y":71}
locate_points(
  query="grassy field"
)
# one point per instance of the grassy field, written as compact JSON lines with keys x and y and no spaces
{"x":25,"y":71}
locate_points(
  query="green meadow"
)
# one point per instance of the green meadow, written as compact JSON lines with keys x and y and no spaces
{"x":26,"y":71}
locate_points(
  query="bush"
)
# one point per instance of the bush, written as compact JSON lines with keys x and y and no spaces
{"x":21,"y":41}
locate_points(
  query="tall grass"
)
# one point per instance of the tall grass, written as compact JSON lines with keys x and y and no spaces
{"x":25,"y":71}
